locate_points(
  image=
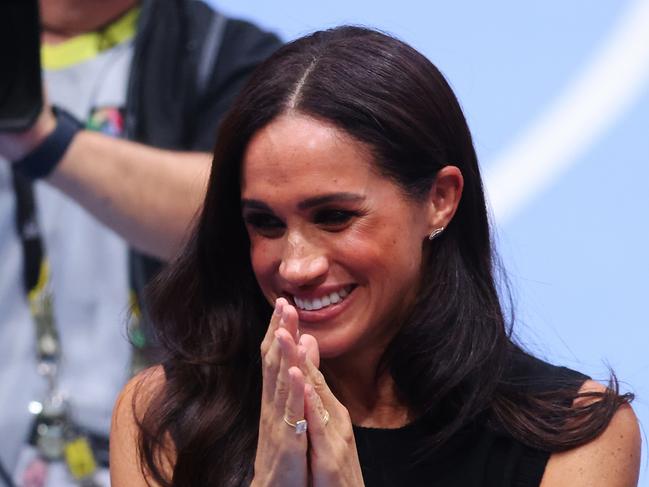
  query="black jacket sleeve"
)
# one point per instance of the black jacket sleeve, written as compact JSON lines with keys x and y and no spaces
{"x":166,"y":108}
{"x":243,"y":47}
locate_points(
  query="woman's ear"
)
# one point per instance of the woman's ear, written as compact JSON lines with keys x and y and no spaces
{"x":444,"y":198}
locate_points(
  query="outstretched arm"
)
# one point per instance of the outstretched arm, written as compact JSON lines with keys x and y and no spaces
{"x":149,"y":196}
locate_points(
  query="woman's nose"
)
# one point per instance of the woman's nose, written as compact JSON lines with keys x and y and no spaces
{"x":302,"y":263}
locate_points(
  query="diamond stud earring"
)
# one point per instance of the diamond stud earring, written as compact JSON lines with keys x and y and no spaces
{"x":435,"y":233}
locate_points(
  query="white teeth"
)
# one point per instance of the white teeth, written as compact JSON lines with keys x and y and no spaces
{"x":323,"y":302}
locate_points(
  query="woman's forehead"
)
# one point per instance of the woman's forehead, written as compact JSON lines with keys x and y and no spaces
{"x":300,"y":149}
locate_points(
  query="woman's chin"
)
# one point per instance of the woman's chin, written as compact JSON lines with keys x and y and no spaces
{"x":328,"y":345}
{"x":332,"y":347}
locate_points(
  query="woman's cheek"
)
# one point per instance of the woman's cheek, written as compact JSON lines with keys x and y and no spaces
{"x":262,"y":260}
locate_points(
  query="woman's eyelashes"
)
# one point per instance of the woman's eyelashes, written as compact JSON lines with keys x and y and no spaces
{"x":265,"y":224}
{"x":271,"y":226}
{"x":334,"y":218}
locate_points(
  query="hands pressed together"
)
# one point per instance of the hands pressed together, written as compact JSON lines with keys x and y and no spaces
{"x":294,"y":389}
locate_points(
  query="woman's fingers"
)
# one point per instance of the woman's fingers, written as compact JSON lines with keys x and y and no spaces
{"x":333,"y":458}
{"x":281,"y":457}
{"x":281,"y":453}
{"x":271,"y":350}
{"x":317,"y":380}
{"x":289,"y":358}
{"x":310,"y":344}
{"x":290,"y":320}
{"x":272,"y":326}
{"x":289,"y":349}
{"x":315,"y":413}
{"x":295,"y":395}
{"x":270,"y":368}
{"x":294,"y":408}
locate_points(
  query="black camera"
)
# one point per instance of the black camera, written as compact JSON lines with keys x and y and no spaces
{"x":21,"y":96}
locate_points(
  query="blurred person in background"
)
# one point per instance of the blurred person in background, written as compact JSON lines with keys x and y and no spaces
{"x":117,"y":159}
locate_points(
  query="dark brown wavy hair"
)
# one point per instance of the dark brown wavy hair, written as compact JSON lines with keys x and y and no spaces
{"x":449,"y":360}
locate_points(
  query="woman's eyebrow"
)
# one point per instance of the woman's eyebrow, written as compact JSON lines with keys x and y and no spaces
{"x":329,"y":198}
{"x":307,"y":203}
{"x":254,"y":205}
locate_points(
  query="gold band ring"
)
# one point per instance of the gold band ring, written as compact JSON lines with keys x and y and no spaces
{"x":325,"y":418}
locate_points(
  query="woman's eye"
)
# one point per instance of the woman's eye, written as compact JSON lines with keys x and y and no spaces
{"x":334,"y":218}
{"x":265,"y":224}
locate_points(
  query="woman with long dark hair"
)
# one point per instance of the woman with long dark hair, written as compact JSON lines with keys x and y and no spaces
{"x":335,"y":318}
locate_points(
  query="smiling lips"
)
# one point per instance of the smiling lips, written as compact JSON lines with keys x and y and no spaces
{"x":330,"y":299}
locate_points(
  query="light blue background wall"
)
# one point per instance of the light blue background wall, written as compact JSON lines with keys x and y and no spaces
{"x":557,"y":97}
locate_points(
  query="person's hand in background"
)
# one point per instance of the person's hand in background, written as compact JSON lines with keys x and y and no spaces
{"x":16,"y":145}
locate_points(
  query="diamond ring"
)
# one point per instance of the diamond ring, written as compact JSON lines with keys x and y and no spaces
{"x":299,"y":426}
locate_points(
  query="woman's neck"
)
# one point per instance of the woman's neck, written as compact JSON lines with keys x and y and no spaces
{"x":371,"y":399}
{"x":63,"y":19}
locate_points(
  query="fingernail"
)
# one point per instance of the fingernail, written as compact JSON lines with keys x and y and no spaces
{"x":279,"y":305}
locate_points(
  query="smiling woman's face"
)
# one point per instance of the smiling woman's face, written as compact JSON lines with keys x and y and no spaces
{"x":339,"y":241}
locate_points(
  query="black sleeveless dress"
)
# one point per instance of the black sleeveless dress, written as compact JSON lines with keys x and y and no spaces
{"x":478,"y":456}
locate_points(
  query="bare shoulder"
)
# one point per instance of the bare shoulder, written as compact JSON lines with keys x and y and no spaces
{"x":612,"y":459}
{"x":130,"y":406}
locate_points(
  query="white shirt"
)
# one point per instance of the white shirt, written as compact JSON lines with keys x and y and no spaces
{"x":89,"y":280}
